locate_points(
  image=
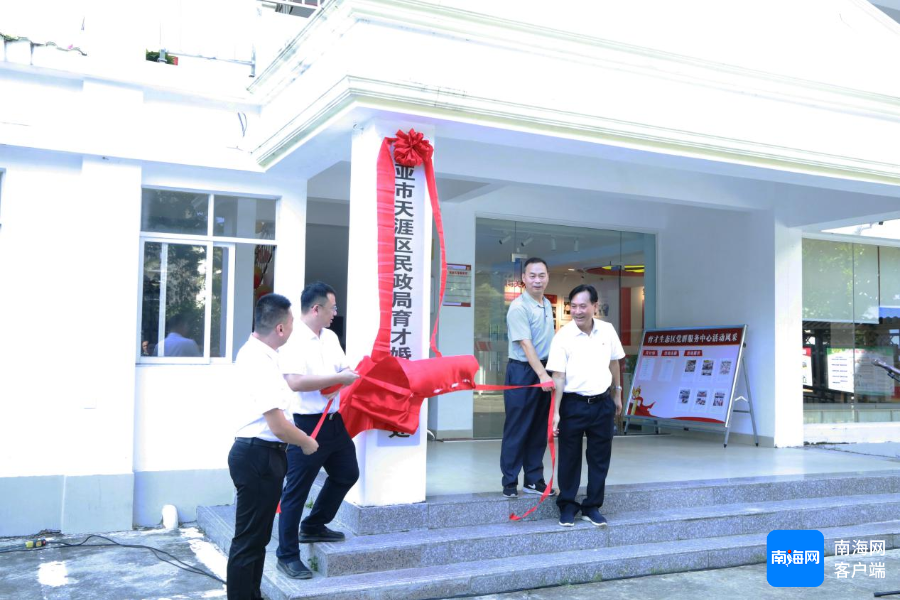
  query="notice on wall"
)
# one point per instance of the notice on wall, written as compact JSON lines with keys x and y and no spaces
{"x":840,"y":369}
{"x":459,"y":285}
{"x":851,"y":370}
{"x":686,"y":374}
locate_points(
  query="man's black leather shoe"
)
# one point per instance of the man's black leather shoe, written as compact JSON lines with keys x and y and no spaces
{"x":295,"y":569}
{"x":321,"y":535}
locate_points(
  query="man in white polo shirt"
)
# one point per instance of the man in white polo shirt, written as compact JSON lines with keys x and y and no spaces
{"x":584,"y":359}
{"x":257,"y":461}
{"x":311,"y":362}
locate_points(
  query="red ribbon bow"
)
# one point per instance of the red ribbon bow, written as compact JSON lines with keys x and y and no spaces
{"x":412,"y":149}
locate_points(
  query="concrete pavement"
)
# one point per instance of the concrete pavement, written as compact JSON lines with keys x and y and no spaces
{"x":113,"y":573}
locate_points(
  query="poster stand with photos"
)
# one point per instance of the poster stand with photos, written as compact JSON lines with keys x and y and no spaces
{"x":687,"y":378}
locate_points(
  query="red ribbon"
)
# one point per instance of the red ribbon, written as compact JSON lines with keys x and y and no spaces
{"x":551,"y":441}
{"x":372,"y":402}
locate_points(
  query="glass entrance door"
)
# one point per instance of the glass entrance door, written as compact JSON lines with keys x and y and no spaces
{"x":620,"y":265}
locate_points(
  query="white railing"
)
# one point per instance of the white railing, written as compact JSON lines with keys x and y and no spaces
{"x":244,"y":32}
{"x":213,"y":29}
{"x":54,"y":22}
{"x":247,"y":32}
{"x":301,"y":8}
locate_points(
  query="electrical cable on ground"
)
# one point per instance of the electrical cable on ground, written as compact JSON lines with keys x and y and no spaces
{"x":40,"y":544}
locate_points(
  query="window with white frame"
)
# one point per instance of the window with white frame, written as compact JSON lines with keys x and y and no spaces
{"x":206,"y":259}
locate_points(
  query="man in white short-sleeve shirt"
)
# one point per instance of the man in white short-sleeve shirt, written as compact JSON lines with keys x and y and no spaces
{"x":312,"y":362}
{"x":257,"y":461}
{"x":584,"y":359}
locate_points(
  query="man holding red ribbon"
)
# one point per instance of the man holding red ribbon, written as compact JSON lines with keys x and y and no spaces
{"x":311,"y":362}
{"x":529,"y":322}
{"x":584,"y":359}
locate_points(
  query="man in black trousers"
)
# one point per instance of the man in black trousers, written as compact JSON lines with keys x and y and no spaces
{"x":529,"y":324}
{"x":311,"y":362}
{"x":584,"y":359}
{"x":257,"y":460}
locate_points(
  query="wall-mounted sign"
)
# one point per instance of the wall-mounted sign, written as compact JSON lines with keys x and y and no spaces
{"x":459,"y":285}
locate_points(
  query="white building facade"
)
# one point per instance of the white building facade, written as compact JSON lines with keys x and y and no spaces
{"x":713,"y":144}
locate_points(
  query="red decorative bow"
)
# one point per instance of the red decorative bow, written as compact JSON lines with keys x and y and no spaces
{"x":412,"y":149}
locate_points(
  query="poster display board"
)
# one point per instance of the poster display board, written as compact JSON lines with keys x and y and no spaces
{"x":687,"y":374}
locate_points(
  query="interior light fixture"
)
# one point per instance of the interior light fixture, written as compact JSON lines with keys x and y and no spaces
{"x":576,"y":244}
{"x":552,"y":243}
{"x":628,"y":269}
{"x":505,"y":239}
{"x":527,"y":241}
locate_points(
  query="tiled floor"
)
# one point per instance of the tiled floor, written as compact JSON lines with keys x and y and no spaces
{"x":474,"y":466}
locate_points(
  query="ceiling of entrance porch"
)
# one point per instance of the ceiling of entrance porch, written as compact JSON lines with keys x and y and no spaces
{"x":570,"y":251}
{"x":334,"y":184}
{"x":471,"y":162}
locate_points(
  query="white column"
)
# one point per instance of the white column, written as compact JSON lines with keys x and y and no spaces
{"x":788,"y":334}
{"x":392,"y":468}
{"x":290,"y":257}
{"x":97,"y":292}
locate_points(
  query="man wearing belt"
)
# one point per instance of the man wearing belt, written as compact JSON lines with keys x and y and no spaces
{"x":584,"y":359}
{"x":529,"y":323}
{"x":312,"y":361}
{"x":257,"y":461}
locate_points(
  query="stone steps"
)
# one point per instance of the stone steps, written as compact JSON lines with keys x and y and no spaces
{"x":499,"y":575}
{"x":431,"y":548}
{"x":362,"y":554}
{"x":465,"y":544}
{"x":487,"y":508}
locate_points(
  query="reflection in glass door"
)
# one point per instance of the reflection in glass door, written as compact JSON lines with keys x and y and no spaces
{"x":620,"y":265}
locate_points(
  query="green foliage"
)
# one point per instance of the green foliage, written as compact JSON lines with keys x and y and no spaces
{"x":630,"y":363}
{"x":185,"y":286}
{"x":153,"y":56}
{"x":853,"y":267}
